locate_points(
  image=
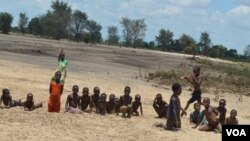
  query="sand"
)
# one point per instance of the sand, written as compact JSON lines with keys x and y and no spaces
{"x":27,"y":65}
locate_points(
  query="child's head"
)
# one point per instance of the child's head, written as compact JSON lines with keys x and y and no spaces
{"x":75,"y":89}
{"x":222,"y":103}
{"x":96,"y":90}
{"x":58,"y":75}
{"x":6,"y":92}
{"x":206,"y":102}
{"x":196,"y":70}
{"x":111,"y":97}
{"x":103,"y":97}
{"x":85,"y":91}
{"x":29,"y":97}
{"x":233,"y":113}
{"x":177,"y":89}
{"x":197,"y":107}
{"x":62,"y":55}
{"x":127,"y":90}
{"x":137,"y":98}
{"x":159,"y":97}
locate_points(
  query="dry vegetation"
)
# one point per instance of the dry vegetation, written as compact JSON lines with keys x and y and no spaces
{"x":221,"y":77}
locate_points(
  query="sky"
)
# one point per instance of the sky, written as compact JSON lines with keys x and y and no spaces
{"x":227,"y":21}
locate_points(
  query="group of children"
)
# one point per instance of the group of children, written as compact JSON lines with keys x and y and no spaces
{"x":8,"y":102}
{"x":211,"y":118}
{"x":97,"y":102}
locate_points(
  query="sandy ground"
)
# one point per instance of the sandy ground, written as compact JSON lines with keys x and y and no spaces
{"x":27,"y":65}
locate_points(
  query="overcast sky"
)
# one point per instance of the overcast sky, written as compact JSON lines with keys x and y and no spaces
{"x":227,"y":21}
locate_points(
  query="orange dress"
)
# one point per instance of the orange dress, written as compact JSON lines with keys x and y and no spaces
{"x":55,"y":96}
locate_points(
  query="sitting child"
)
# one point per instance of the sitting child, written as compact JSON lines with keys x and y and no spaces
{"x":111,"y":104}
{"x":197,"y":114}
{"x":160,"y":106}
{"x":136,"y":104}
{"x":102,"y":109}
{"x":222,"y":109}
{"x":7,"y":100}
{"x":29,"y":104}
{"x":232,"y":120}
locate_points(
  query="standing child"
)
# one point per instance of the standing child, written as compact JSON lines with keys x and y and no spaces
{"x":29,"y":104}
{"x":102,"y":109}
{"x":72,"y":101}
{"x":62,"y":63}
{"x":7,"y":100}
{"x":56,"y":90}
{"x":136,"y":104}
{"x":174,"y":119}
{"x":160,"y":106}
{"x":232,"y":120}
{"x":222,"y":109}
{"x":196,"y":82}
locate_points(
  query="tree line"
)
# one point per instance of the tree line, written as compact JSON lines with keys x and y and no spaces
{"x":61,"y":22}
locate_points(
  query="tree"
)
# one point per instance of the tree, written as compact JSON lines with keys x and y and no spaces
{"x":57,"y":21}
{"x":164,"y":39}
{"x":247,"y":51}
{"x":79,"y":20}
{"x":205,"y":43}
{"x":23,"y":21}
{"x":217,"y":51}
{"x":35,"y":26}
{"x":127,"y":30}
{"x":95,"y":31}
{"x":232,"y":53}
{"x":5,"y":22}
{"x":113,"y":38}
{"x":188,"y":43}
{"x":138,"y":30}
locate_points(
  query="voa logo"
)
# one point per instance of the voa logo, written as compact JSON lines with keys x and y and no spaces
{"x":236,"y":132}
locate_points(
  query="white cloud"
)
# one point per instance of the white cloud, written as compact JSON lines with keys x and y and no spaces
{"x":240,"y":10}
{"x":191,"y":3}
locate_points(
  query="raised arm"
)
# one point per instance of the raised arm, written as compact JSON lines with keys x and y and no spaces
{"x":59,"y":56}
{"x":189,"y":80}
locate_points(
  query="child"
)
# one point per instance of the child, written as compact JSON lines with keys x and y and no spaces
{"x":232,"y":120}
{"x":160,"y":106}
{"x":222,"y":111}
{"x":7,"y":100}
{"x":196,"y":114}
{"x":56,"y":90}
{"x":125,"y":103}
{"x":62,"y":63}
{"x":29,"y":103}
{"x":211,"y":115}
{"x":174,"y":119}
{"x":136,"y":104}
{"x":111,"y":104}
{"x":196,"y":82}
{"x":95,"y":98}
{"x":85,"y":100}
{"x":102,"y":109}
{"x":72,"y":101}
